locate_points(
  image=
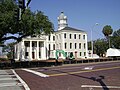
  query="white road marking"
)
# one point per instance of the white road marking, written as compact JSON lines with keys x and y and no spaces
{"x":1,"y":79}
{"x":37,"y":73}
{"x":10,"y":84}
{"x":89,"y":68}
{"x":6,"y":76}
{"x":22,"y":82}
{"x":93,"y":86}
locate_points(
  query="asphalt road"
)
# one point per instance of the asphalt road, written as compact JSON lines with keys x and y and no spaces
{"x":97,"y":76}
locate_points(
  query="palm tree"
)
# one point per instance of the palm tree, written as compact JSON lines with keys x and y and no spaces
{"x":107,"y":31}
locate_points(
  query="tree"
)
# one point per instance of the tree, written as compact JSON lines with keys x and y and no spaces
{"x":9,"y":49}
{"x":107,"y":31}
{"x":31,"y":23}
{"x":100,"y":46}
{"x":116,"y":39}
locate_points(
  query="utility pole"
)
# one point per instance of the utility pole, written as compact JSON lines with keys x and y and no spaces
{"x":92,"y":39}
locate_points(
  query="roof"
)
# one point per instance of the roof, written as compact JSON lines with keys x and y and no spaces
{"x":113,"y":52}
{"x":69,"y":29}
{"x":62,"y":16}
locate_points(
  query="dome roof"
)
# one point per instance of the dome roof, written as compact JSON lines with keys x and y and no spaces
{"x":62,"y":16}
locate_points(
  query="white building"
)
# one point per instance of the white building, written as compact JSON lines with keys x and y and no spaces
{"x":66,"y":38}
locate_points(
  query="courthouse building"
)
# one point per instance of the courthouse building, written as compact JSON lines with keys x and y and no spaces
{"x":43,"y":47}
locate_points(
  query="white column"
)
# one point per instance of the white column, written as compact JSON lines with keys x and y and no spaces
{"x":37,"y":52}
{"x":44,"y":47}
{"x":43,"y":51}
{"x":23,"y":50}
{"x":30,"y":53}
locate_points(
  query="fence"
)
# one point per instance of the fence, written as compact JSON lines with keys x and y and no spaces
{"x":44,"y":63}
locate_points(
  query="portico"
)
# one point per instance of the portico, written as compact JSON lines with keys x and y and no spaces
{"x":32,"y":50}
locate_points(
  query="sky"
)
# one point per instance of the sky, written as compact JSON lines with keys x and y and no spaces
{"x":82,"y":14}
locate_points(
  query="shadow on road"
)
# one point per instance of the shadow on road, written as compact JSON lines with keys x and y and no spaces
{"x":99,"y":79}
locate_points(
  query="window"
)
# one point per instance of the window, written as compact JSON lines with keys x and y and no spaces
{"x":70,"y":45}
{"x":79,"y":36}
{"x":49,"y":47}
{"x":80,"y":53}
{"x":66,"y":53}
{"x":64,"y":35}
{"x":26,"y":53}
{"x":40,"y":44}
{"x":27,"y":44}
{"x":39,"y":54}
{"x":84,"y":46}
{"x":84,"y":53}
{"x":84,"y":37}
{"x":65,"y":45}
{"x":79,"y":45}
{"x":53,"y":46}
{"x":75,"y":45}
{"x":34,"y":44}
{"x":70,"y":36}
{"x":74,"y":36}
{"x":49,"y":37}
{"x":53,"y":38}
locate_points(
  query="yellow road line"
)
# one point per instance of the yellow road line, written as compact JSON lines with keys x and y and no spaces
{"x":78,"y":72}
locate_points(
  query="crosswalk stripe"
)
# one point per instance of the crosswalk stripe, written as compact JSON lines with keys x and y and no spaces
{"x":37,"y":73}
{"x":93,"y":86}
{"x":10,"y":84}
{"x":1,"y":79}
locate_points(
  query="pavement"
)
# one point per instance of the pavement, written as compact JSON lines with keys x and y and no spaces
{"x":8,"y":81}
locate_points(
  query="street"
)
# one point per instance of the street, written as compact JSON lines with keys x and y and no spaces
{"x":94,"y":76}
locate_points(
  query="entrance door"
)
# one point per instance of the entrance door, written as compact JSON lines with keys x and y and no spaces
{"x":76,"y":54}
{"x":33,"y":55}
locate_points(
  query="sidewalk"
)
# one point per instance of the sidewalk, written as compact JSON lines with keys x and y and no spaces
{"x":8,"y":81}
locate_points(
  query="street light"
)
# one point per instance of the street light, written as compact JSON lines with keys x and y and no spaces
{"x":92,"y":37}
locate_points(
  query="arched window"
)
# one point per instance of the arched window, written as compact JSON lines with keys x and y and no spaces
{"x":49,"y":37}
{"x":79,"y":45}
{"x":64,"y":35}
{"x":53,"y":46}
{"x":79,"y":36}
{"x":74,"y":36}
{"x":75,"y":45}
{"x":65,"y":45}
{"x":70,"y":45}
{"x":53,"y":38}
{"x":49,"y":47}
{"x":70,"y":36}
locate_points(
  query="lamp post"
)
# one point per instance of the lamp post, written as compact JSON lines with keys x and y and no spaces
{"x":92,"y":39}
